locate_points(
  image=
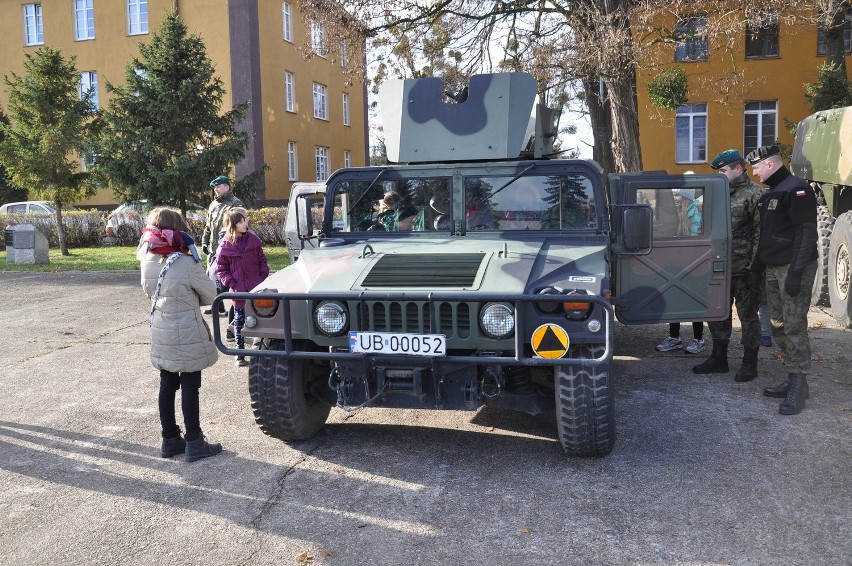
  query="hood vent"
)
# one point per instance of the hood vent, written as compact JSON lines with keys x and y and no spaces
{"x":424,"y":270}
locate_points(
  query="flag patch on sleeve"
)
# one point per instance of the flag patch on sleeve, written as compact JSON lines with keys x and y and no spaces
{"x":800,"y":193}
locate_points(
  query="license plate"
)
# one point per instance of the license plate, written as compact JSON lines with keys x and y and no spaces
{"x":398,"y":343}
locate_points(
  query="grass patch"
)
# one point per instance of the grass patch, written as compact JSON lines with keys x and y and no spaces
{"x":115,"y":258}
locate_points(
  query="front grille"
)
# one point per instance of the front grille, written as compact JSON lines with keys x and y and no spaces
{"x":425,"y":270}
{"x":454,"y":319}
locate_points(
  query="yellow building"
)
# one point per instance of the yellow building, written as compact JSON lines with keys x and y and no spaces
{"x":306,"y":120}
{"x":738,"y":97}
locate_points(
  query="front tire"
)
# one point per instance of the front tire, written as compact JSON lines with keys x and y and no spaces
{"x":585,"y":404}
{"x":839,"y":267}
{"x":281,"y":400}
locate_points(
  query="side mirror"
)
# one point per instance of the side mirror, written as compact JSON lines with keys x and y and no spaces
{"x":637,"y":229}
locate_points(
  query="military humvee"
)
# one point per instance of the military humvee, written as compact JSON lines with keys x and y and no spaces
{"x":822,"y":154}
{"x":481,"y":272}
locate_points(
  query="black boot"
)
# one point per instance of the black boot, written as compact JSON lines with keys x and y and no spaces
{"x":200,"y":448}
{"x":748,"y":370}
{"x":172,"y":446}
{"x":718,"y":360}
{"x":795,"y":400}
{"x":780,"y":391}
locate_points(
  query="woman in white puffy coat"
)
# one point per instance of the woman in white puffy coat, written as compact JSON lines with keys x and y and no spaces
{"x":181,"y":342}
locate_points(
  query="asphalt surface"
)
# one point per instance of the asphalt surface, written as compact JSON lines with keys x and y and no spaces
{"x":705,"y":470}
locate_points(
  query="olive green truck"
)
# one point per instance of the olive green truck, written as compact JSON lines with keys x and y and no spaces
{"x":476,"y":269}
{"x":822,"y":154}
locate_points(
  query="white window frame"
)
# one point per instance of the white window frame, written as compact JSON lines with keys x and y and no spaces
{"x":761,"y":113}
{"x":33,"y":24}
{"x":287,"y":21}
{"x":320,"y":101}
{"x":137,"y":17}
{"x":289,"y":91}
{"x":322,"y":157}
{"x":292,"y":162}
{"x":318,"y":39}
{"x":691,"y":115}
{"x":347,"y":158}
{"x":346,"y":121}
{"x":84,"y":20}
{"x":89,"y":80}
{"x":344,"y":56}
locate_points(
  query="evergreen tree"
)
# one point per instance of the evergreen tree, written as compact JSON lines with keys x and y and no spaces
{"x":8,"y":192}
{"x":48,"y":129}
{"x":162,"y":137}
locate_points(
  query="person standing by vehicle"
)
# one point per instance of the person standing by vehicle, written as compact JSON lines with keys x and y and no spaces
{"x":181,"y":345}
{"x":689,"y":224}
{"x":223,"y":201}
{"x":242,"y":266}
{"x":787,"y":262}
{"x":745,"y":231}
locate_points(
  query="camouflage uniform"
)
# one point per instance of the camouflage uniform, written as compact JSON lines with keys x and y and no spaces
{"x":745,"y":233}
{"x":215,"y":217}
{"x":788,"y":247}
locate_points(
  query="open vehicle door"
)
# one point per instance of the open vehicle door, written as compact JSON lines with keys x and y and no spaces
{"x":671,"y":247}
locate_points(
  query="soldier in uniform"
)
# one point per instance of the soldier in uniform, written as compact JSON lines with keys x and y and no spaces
{"x":223,"y":201}
{"x":787,"y":254}
{"x":745,"y":232}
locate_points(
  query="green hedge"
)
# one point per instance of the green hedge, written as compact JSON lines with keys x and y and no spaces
{"x":88,"y":229}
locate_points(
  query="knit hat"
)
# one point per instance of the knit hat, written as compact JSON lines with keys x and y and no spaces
{"x":220,"y":180}
{"x":685,"y":193}
{"x":725,"y":158}
{"x":762,"y":153}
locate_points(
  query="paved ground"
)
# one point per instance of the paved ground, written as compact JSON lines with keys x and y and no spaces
{"x":705,"y":471}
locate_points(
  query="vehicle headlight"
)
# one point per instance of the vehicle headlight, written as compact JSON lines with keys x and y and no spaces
{"x":497,"y":320}
{"x":330,"y":318}
{"x":264,"y":307}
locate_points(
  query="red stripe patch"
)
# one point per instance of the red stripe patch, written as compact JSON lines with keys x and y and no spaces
{"x":800,"y":193}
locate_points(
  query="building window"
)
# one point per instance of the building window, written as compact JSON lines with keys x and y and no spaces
{"x":762,"y":37}
{"x":322,"y":163}
{"x":320,"y":101}
{"x":89,"y":82}
{"x":344,"y":58}
{"x":84,"y":20}
{"x":847,"y":33}
{"x":345,"y":109}
{"x":292,"y":170}
{"x":318,"y":38}
{"x":691,"y":132}
{"x":33,"y":25}
{"x":760,"y":124}
{"x":347,"y":158}
{"x":289,"y":91}
{"x":691,"y":41}
{"x":137,"y":16}
{"x":287,"y":16}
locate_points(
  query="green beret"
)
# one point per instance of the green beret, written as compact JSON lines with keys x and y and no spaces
{"x":762,"y":153}
{"x":220,"y":180}
{"x":725,"y":158}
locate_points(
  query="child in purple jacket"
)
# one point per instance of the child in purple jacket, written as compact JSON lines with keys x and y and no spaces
{"x":242,"y":266}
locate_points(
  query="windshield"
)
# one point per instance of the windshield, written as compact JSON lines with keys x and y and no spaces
{"x":485,"y":203}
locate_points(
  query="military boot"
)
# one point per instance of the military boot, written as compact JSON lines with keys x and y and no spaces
{"x":748,"y":370}
{"x":780,"y":391}
{"x":173,"y":446}
{"x":794,"y":402}
{"x":718,"y":360}
{"x":200,"y":448}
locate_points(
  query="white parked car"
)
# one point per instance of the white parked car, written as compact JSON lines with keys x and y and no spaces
{"x":33,"y":207}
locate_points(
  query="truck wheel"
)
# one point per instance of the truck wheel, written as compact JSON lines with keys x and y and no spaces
{"x":585,"y":406}
{"x":281,"y":401}
{"x":839,"y":266}
{"x":825,"y":223}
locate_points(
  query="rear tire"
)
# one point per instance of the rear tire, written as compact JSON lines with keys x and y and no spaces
{"x":839,"y":266}
{"x":281,"y":401}
{"x":585,"y":404}
{"x":825,"y":223}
